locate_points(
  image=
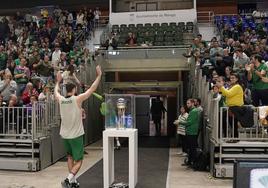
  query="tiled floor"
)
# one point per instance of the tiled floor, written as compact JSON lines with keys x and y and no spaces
{"x":178,"y":176}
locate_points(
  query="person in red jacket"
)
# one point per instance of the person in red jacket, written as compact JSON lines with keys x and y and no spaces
{"x":28,"y":92}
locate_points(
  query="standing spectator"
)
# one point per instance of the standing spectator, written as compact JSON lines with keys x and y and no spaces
{"x":69,"y":76}
{"x":44,"y":69}
{"x":70,"y":19}
{"x":7,"y":86}
{"x":157,"y":111}
{"x":182,"y":119}
{"x":22,"y":76}
{"x":80,"y":19}
{"x":28,"y":93}
{"x":256,"y":71}
{"x":191,"y":126}
{"x":97,"y":14}
{"x":56,"y":57}
{"x":234,"y":97}
{"x":3,"y":58}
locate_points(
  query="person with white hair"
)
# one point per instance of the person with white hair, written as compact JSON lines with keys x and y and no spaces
{"x":7,"y":86}
{"x":28,"y":93}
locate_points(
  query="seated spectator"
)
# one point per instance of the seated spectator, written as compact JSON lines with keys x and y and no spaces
{"x":131,"y":40}
{"x":2,"y":103}
{"x":111,"y":43}
{"x":45,"y":94}
{"x":240,"y":59}
{"x":3,"y":58}
{"x":28,"y":92}
{"x":147,"y":40}
{"x":215,"y":52}
{"x":7,"y":86}
{"x":224,"y":61}
{"x":11,"y":67}
{"x":205,"y":44}
{"x":228,"y":71}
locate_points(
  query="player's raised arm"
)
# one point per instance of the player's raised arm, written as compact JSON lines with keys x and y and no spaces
{"x":57,"y":86}
{"x":84,"y":96}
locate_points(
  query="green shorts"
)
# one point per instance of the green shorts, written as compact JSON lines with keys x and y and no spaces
{"x":75,"y":147}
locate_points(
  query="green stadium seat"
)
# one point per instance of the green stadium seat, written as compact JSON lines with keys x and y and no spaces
{"x":123,"y":25}
{"x":147,"y":25}
{"x":156,"y":25}
{"x":173,"y":24}
{"x":139,"y":25}
{"x":164,"y":24}
{"x":159,"y":38}
{"x":131,"y":25}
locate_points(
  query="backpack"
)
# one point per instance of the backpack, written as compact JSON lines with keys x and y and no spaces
{"x":202,"y":161}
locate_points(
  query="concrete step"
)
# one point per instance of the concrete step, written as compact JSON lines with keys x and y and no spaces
{"x":18,"y":150}
{"x":23,"y":164}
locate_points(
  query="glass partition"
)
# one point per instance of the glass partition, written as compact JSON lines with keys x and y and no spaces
{"x":145,"y":53}
{"x":119,"y":111}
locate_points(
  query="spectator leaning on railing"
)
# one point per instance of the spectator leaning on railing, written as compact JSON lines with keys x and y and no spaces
{"x":234,"y":97}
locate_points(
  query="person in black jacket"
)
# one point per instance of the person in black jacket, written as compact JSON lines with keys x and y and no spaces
{"x":157,"y":111}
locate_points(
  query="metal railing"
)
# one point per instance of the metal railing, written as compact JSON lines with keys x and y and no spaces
{"x":222,"y":121}
{"x":150,"y":53}
{"x":205,"y":17}
{"x":28,"y":122}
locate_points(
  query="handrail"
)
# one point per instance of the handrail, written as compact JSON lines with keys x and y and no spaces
{"x":205,"y":17}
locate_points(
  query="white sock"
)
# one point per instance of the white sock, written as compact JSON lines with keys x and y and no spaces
{"x":70,"y":177}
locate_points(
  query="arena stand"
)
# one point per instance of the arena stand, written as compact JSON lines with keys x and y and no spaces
{"x":224,"y":144}
{"x":32,"y":50}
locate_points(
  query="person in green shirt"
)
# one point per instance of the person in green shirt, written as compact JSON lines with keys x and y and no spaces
{"x":192,"y":127}
{"x":256,"y":70}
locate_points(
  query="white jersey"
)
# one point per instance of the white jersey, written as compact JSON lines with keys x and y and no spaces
{"x":71,"y":118}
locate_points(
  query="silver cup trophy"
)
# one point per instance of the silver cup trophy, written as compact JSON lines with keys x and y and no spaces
{"x":121,"y":109}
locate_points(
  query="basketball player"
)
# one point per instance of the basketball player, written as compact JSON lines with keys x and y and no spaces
{"x":72,"y":130}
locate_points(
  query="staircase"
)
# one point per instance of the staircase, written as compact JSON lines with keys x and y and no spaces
{"x":225,"y":155}
{"x":19,"y":154}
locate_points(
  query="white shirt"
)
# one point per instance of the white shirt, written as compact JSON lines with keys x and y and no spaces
{"x":56,"y":57}
{"x":71,"y":118}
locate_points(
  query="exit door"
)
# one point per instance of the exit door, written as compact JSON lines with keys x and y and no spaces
{"x":143,"y":114}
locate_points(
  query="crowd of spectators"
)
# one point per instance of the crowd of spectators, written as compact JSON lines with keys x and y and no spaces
{"x":241,"y":52}
{"x":33,"y":49}
{"x":236,"y":67}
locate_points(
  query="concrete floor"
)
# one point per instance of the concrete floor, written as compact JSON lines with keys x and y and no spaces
{"x":187,"y":178}
{"x":178,"y":176}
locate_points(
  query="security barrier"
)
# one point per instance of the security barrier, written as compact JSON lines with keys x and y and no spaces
{"x":28,"y":122}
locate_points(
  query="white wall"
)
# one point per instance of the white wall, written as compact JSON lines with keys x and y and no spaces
{"x":168,"y":16}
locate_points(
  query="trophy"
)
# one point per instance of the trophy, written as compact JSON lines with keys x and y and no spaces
{"x":121,"y":108}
